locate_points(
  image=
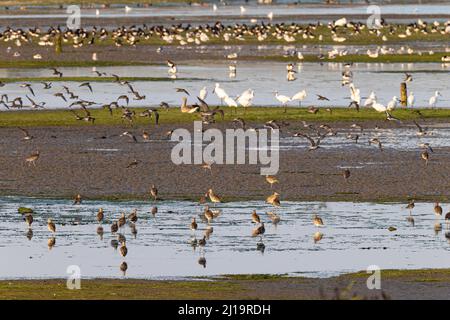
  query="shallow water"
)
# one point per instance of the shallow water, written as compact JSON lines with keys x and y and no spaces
{"x":355,"y":236}
{"x":263,"y":77}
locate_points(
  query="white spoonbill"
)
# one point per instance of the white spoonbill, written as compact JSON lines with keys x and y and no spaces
{"x":203,"y":93}
{"x":220,"y":93}
{"x":340,"y":22}
{"x":370,"y":100}
{"x":246,"y":98}
{"x":230,"y":102}
{"x":283,"y":99}
{"x":411,"y":99}
{"x":355,"y":94}
{"x":434,"y":99}
{"x":392,"y":104}
{"x":378,"y":107}
{"x":300,"y":96}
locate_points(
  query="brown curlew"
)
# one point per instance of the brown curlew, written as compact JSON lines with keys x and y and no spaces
{"x":51,"y":226}
{"x":274,"y":199}
{"x":31,"y":159}
{"x":271,"y":180}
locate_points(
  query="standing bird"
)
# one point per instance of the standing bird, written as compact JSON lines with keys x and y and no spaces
{"x":194,"y":225}
{"x":255,"y":217}
{"x":271,"y":180}
{"x":122,"y":220}
{"x":392,"y":104}
{"x":154,"y":192}
{"x":274,"y":199}
{"x":410,"y":206}
{"x":77,"y":199}
{"x":447,"y":218}
{"x":123,"y":250}
{"x":220,"y":93}
{"x":124,"y":268}
{"x":425,"y":156}
{"x":283,"y":99}
{"x":31,"y":159}
{"x":317,"y":221}
{"x":411,"y":99}
{"x":437,"y":209}
{"x":203,"y":93}
{"x":29,"y":220}
{"x":114,"y":227}
{"x":259,"y":231}
{"x":213,"y":197}
{"x":51,"y":226}
{"x":100,"y":215}
{"x":434,"y":99}
{"x":299,"y":96}
{"x":208,"y":214}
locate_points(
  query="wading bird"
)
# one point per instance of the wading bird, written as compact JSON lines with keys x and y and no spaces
{"x":31,"y":159}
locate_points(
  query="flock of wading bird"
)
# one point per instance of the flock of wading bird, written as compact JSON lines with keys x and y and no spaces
{"x":207,"y":217}
{"x":338,"y":31}
{"x":316,"y":133}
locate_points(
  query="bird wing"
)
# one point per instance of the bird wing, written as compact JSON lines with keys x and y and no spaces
{"x":25,"y":132}
{"x":88,"y":114}
{"x":418,"y":126}
{"x":203,"y":105}
{"x":311,"y":141}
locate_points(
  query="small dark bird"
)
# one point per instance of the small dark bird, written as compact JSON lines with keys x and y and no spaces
{"x":346,"y":174}
{"x":133,"y":163}
{"x":320,"y":97}
{"x":86,"y":84}
{"x":182,"y":90}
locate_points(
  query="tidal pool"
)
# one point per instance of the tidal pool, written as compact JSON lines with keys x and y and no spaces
{"x":354,"y":237}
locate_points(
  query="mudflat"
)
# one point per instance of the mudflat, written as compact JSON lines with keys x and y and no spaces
{"x":95,"y":162}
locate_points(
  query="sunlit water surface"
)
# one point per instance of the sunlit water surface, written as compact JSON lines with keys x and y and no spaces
{"x":263,"y":77}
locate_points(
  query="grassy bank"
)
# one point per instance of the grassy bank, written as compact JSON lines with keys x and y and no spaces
{"x":347,"y":286}
{"x":356,"y":58}
{"x":254,"y":114}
